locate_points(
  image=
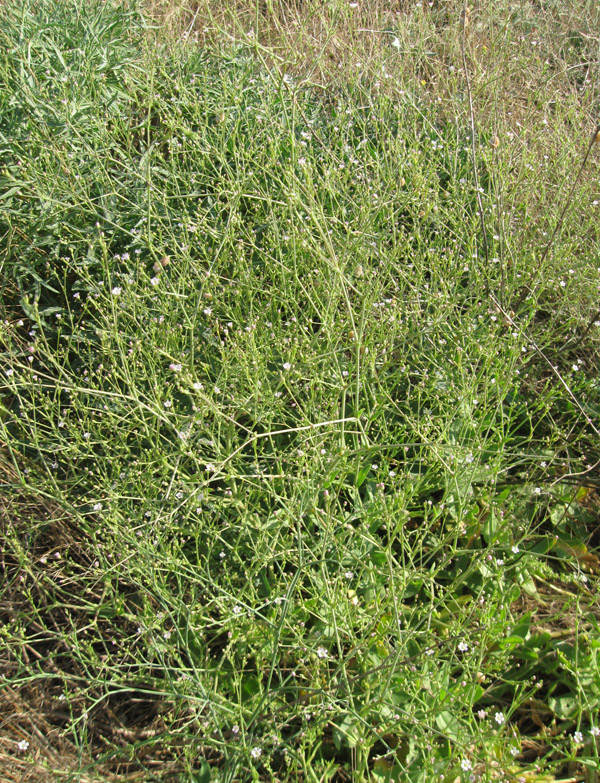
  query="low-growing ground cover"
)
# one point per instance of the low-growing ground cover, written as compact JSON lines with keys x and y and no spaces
{"x":299,"y":397}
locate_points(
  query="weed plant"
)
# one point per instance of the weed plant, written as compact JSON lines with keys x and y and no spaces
{"x":299,"y":475}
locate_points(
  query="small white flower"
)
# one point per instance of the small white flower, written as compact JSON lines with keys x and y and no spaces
{"x":237,"y":609}
{"x":287,"y":366}
{"x":466,"y":765}
{"x":482,"y":714}
{"x":207,"y":310}
{"x":154,"y":281}
{"x":463,"y":646}
{"x":23,"y":745}
{"x":210,"y":468}
{"x":97,"y":506}
{"x":321,"y":652}
{"x":10,"y":372}
{"x":577,"y":737}
{"x":198,"y":386}
{"x":514,"y":550}
{"x":116,"y":290}
{"x":167,"y":404}
{"x":595,"y":731}
{"x":175,"y":367}
{"x":349,"y":574}
{"x":499,"y":718}
{"x":396,"y":43}
{"x":256,"y":753}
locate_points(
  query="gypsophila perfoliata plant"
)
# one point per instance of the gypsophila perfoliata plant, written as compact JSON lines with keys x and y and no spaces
{"x":300,"y":474}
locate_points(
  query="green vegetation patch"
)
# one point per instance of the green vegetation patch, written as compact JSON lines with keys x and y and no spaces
{"x":299,"y":480}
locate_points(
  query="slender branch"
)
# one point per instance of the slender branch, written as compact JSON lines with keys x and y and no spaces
{"x":581,"y":338}
{"x":486,"y":255}
{"x":527,"y":287}
{"x":508,"y":318}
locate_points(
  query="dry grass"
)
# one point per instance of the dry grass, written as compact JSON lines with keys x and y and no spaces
{"x":524,"y":56}
{"x":533,"y":67}
{"x":28,"y":713}
{"x":54,"y":590}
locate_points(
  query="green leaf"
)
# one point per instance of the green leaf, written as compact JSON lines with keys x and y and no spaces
{"x":449,"y":725}
{"x":563,"y":706}
{"x":521,"y":629}
{"x":250,"y":685}
{"x":527,"y":584}
{"x":346,"y":733}
{"x":202,"y":775}
{"x":490,"y":527}
{"x":378,"y":557}
{"x":362,"y":474}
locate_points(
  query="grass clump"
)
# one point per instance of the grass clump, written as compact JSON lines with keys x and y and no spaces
{"x":299,"y":482}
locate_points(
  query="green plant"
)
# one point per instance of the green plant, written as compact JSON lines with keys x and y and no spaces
{"x":290,"y":494}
